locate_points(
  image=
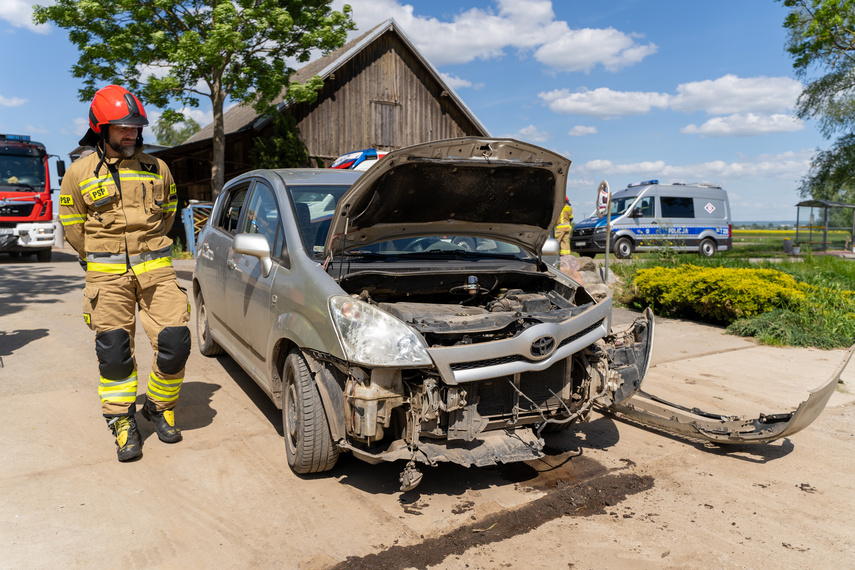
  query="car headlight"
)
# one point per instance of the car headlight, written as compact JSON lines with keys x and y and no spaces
{"x":600,"y":230}
{"x":372,"y":337}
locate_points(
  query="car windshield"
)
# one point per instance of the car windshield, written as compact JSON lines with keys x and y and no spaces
{"x":22,"y":172}
{"x":439,"y":245}
{"x":313,"y":208}
{"x":621,"y":204}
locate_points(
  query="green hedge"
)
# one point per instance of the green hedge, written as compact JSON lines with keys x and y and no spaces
{"x":765,"y":303}
{"x":718,"y":294}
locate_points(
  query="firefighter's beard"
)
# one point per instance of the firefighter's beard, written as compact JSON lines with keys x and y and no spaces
{"x":126,"y":150}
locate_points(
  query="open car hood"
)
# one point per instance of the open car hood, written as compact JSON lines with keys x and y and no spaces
{"x":495,"y":188}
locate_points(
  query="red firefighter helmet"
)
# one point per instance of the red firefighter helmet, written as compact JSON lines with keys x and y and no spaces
{"x":115,"y":105}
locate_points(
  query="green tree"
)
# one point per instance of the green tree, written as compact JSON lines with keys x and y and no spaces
{"x":169,"y":135}
{"x":282,"y":147}
{"x":175,"y":51}
{"x":822,"y":44}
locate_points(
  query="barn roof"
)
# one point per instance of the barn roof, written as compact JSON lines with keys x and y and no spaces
{"x":243,"y":117}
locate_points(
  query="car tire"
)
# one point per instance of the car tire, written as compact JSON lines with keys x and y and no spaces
{"x":707,"y":248}
{"x":207,"y":345}
{"x":308,"y":443}
{"x":43,"y":255}
{"x":624,"y":248}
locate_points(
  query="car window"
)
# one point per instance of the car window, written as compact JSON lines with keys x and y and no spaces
{"x":262,"y":215}
{"x":647,"y":207}
{"x":673,"y":207}
{"x":229,"y":214}
{"x":443,"y":243}
{"x":621,"y":205}
{"x":313,"y":209}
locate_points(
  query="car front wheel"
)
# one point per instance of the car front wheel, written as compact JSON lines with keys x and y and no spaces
{"x":308,"y":443}
{"x":707,"y":248}
{"x":623,"y":248}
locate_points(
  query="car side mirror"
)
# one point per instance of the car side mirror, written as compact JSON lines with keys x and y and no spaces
{"x":637,"y":213}
{"x":257,"y":246}
{"x":550,"y":247}
{"x":60,"y":168}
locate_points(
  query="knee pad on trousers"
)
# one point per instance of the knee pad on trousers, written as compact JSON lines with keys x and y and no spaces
{"x":113,"y":349}
{"x":173,"y":349}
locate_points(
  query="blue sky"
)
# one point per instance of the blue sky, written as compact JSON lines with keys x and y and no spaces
{"x":629,"y":90}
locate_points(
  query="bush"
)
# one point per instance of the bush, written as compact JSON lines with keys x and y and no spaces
{"x":716,"y":294}
{"x":765,"y":303}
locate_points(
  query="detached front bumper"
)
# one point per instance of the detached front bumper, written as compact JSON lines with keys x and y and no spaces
{"x":650,"y":410}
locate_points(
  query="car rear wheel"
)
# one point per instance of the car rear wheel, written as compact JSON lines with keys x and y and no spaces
{"x":207,"y":345}
{"x":308,"y":443}
{"x":707,"y":248}
{"x":623,"y":248}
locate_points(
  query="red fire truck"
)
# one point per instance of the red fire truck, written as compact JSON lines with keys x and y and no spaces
{"x":26,"y":211}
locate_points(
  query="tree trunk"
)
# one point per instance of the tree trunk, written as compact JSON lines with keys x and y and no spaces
{"x":218,"y":160}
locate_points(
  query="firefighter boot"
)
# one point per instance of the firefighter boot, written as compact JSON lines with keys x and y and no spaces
{"x":128,"y":439}
{"x":164,"y":423}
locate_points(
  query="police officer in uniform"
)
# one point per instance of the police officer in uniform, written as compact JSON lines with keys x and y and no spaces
{"x":116,"y":206}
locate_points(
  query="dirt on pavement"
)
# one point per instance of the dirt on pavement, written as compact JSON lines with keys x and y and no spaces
{"x":608,"y":495}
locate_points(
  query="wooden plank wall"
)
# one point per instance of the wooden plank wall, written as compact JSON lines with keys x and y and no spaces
{"x":384,"y":82}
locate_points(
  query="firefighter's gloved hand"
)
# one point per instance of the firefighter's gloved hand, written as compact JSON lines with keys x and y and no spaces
{"x":82,"y":263}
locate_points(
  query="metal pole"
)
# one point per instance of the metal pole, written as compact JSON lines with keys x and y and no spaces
{"x":608,"y":235}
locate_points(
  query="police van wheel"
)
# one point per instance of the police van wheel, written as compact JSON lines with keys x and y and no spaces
{"x":707,"y":248}
{"x":623,"y":248}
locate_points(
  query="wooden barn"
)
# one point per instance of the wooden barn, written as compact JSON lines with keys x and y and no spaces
{"x":379,"y":92}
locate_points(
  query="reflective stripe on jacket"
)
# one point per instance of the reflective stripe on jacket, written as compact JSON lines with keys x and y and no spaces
{"x":116,"y":228}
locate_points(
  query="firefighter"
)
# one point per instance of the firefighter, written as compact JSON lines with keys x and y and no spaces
{"x":116,"y":206}
{"x":564,"y":227}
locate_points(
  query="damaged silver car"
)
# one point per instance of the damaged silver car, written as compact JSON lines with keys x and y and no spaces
{"x":407,"y":313}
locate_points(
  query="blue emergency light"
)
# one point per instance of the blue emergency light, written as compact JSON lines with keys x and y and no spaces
{"x":644,"y":183}
{"x":19,"y":138}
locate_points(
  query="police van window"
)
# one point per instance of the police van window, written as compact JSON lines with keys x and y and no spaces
{"x":229,"y":214}
{"x":677,"y":207}
{"x":262,"y":215}
{"x":647,"y":207}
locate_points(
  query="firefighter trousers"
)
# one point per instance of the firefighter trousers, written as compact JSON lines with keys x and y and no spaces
{"x":109,"y":308}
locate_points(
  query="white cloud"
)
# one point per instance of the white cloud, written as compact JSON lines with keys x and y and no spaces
{"x":784,"y":166}
{"x":81,"y":125}
{"x":457,"y":82}
{"x":11,"y":101}
{"x":603,"y":102}
{"x":41,"y":129}
{"x":731,"y":94}
{"x":531,"y":134}
{"x":748,"y":124}
{"x":582,"y":50}
{"x":19,"y":13}
{"x":521,"y":25}
{"x":582,"y":131}
{"x":753,"y":105}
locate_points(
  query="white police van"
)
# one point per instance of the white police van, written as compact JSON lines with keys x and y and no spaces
{"x":647,"y":215}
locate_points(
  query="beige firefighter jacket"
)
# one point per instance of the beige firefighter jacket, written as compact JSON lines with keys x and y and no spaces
{"x":120,"y":227}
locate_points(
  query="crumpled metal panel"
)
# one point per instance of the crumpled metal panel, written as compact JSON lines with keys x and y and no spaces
{"x":491,"y":448}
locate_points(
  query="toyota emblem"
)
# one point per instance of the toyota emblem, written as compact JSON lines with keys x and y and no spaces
{"x":542,"y":346}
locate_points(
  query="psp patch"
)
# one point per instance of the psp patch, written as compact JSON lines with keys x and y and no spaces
{"x":66,"y":200}
{"x":87,"y":319}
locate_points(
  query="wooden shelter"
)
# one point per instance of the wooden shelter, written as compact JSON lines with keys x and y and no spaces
{"x":379,"y":92}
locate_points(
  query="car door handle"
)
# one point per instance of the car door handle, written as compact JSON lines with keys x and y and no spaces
{"x":231,"y":264}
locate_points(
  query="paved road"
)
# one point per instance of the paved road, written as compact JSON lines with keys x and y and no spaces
{"x":224,"y":497}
